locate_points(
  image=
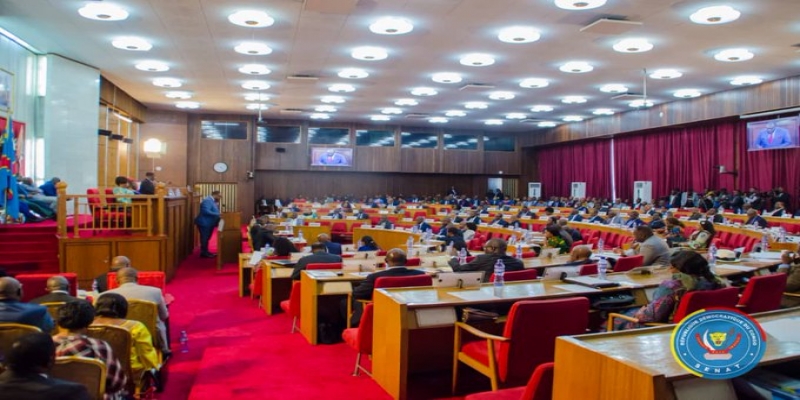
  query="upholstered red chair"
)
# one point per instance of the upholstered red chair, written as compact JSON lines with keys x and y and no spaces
{"x":763,"y":293}
{"x":311,"y":267}
{"x":750,"y":243}
{"x":529,"y":254}
{"x":339,"y":231}
{"x":292,"y":306}
{"x":381,"y":253}
{"x":576,"y":243}
{"x":257,"y":281}
{"x":539,"y":387}
{"x":103,"y":215}
{"x":403,"y":281}
{"x":413,"y":262}
{"x":513,"y":276}
{"x":593,"y":243}
{"x":35,"y":285}
{"x":528,"y":340}
{"x":587,"y":269}
{"x":690,"y":302}
{"x":147,"y":278}
{"x":628,"y":263}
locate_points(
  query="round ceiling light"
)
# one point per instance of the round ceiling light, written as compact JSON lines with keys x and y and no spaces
{"x":516,"y":116}
{"x":547,"y":124}
{"x":254,"y":69}
{"x":423,"y":91}
{"x":353,"y":73}
{"x":369,"y":53}
{"x":715,"y":15}
{"x":733,"y":55}
{"x":572,"y":118}
{"x":132,"y":44}
{"x":325,"y":109}
{"x":477,"y":60}
{"x":257,"y":106}
{"x":640,"y":103}
{"x":519,"y":34}
{"x":541,"y":108}
{"x":103,"y":12}
{"x":152,"y":66}
{"x":603,"y":111}
{"x":437,"y":120}
{"x":501,"y":95}
{"x":251,"y":19}
{"x":493,"y":122}
{"x":614,"y":88}
{"x":167,"y":82}
{"x":391,"y":26}
{"x":573,"y":100}
{"x":332,"y":99}
{"x":341,"y":88}
{"x":391,"y":110}
{"x":476,"y":105}
{"x":687,"y":93}
{"x":446,"y":77}
{"x":666,"y":74}
{"x":634,"y":45}
{"x":253,"y":49}
{"x":576,"y":67}
{"x":406,"y":102}
{"x":256,"y":97}
{"x":178,"y":95}
{"x":256,"y":85}
{"x":455,"y":113}
{"x":534,"y":83}
{"x":380,"y":118}
{"x":188,"y":105}
{"x":319,"y":116}
{"x":579,"y":4}
{"x":746,"y":80}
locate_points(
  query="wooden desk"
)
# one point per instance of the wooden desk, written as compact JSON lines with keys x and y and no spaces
{"x":385,"y":238}
{"x":245,"y":274}
{"x":638,"y":364}
{"x":313,"y":286}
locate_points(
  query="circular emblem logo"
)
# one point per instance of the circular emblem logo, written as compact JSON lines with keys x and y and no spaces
{"x":718,"y":343}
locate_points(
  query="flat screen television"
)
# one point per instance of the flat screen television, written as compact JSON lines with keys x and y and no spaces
{"x":781,"y":133}
{"x":331,"y":157}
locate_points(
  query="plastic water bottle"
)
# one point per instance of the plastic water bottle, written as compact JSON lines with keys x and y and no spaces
{"x":184,"y":342}
{"x":712,"y":258}
{"x":600,"y":245}
{"x":602,"y":267}
{"x":449,"y":249}
{"x":518,"y":252}
{"x":764,"y":243}
{"x":499,"y":276}
{"x":410,"y":244}
{"x":300,"y":234}
{"x":462,"y":256}
{"x":782,"y":234}
{"x":512,"y":240}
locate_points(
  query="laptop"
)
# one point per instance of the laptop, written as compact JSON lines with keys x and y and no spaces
{"x":555,"y":273}
{"x":461,"y":280}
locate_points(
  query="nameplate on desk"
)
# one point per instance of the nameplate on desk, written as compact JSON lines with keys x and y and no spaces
{"x":321,"y":274}
{"x":534,"y":210}
{"x":441,"y":214}
{"x":383,"y":212}
{"x":406,"y":219}
{"x":326,"y":217}
{"x":431,"y":317}
{"x":314,"y":224}
{"x":350,"y":217}
{"x":544,"y":218}
{"x":343,"y":287}
{"x":366,"y":226}
{"x":281,"y":272}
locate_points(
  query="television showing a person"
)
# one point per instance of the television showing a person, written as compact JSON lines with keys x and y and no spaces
{"x":332,"y":157}
{"x":773,"y":137}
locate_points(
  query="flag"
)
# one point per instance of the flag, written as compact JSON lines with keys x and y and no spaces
{"x":9,"y":198}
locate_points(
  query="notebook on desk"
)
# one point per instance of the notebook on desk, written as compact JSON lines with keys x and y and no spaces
{"x":591,"y":282}
{"x":284,"y":263}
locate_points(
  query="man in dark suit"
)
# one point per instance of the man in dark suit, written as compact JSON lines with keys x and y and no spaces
{"x":754,"y":219}
{"x":333,"y":248}
{"x":395,"y":266}
{"x":575,"y":216}
{"x":57,"y":291}
{"x":362,"y":214}
{"x":337,"y":214}
{"x":453,"y":235}
{"x":207,"y":220}
{"x":499,"y":221}
{"x":319,"y":254}
{"x":633,"y":220}
{"x":100,"y":283}
{"x":494,"y":249}
{"x":148,"y":184}
{"x":580,"y":255}
{"x":28,"y":361}
{"x":13,"y":310}
{"x":421,"y":225}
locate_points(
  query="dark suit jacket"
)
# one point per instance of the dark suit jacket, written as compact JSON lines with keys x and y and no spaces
{"x":37,"y":387}
{"x":318,"y":257}
{"x":25,"y":313}
{"x":209,"y":213}
{"x":423,"y":227}
{"x":147,"y":187}
{"x":757,"y":220}
{"x":458,"y":243}
{"x":362,"y":215}
{"x":54,"y":298}
{"x":485,"y":263}
{"x":364,"y":290}
{"x":333,"y":248}
{"x":101,"y":282}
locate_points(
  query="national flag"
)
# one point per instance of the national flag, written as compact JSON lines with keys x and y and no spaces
{"x":8,"y":183}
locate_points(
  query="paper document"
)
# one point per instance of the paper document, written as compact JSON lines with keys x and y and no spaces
{"x":473,"y":295}
{"x":321,"y":274}
{"x":742,"y":268}
{"x":576,"y":288}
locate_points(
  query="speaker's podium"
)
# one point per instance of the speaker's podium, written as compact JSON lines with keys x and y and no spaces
{"x":229,"y":238}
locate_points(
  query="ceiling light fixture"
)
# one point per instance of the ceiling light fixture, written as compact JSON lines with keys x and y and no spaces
{"x":167,"y":82}
{"x":132,"y":43}
{"x":477,"y":60}
{"x":257,"y":106}
{"x":746,"y":80}
{"x":256,"y":97}
{"x":369,"y":53}
{"x":576,"y":67}
{"x":541,"y":108}
{"x":455,"y":113}
{"x":493,"y":122}
{"x":572,"y":118}
{"x":579,"y":4}
{"x":715,"y":15}
{"x":103,"y":12}
{"x":640,"y":103}
{"x":319,"y":116}
{"x":733,"y":55}
{"x":152,"y":66}
{"x":687,"y":93}
{"x":341,"y":88}
{"x":391,"y":110}
{"x":353,"y":73}
{"x":614,"y":88}
{"x":188,"y":105}
{"x":573,"y":100}
{"x":380,"y":118}
{"x":325,"y":109}
{"x":391,"y":26}
{"x":251,"y":19}
{"x":178,"y":95}
{"x":446,"y":77}
{"x":423,"y":91}
{"x":516,"y":116}
{"x":253,"y":49}
{"x":519,"y":34}
{"x":633,"y":45}
{"x":406,"y":102}
{"x":547,"y":124}
{"x":534,"y":83}
{"x":438,"y":120}
{"x":501,"y":95}
{"x":603,"y":111}
{"x":256,"y":85}
{"x":666,"y":74}
{"x":476,"y":105}
{"x":332,"y":99}
{"x":254,"y":69}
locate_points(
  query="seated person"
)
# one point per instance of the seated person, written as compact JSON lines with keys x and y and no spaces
{"x":262,"y":233}
{"x":754,"y":219}
{"x":711,"y":215}
{"x":653,"y":248}
{"x":35,"y":194}
{"x":674,"y":232}
{"x":701,"y":239}
{"x":657,"y":224}
{"x":49,"y":188}
{"x":73,"y":320}
{"x":595,"y":218}
{"x":384,"y":223}
{"x":368,"y":244}
{"x":499,"y":221}
{"x":362,"y":214}
{"x":494,"y":249}
{"x":613,"y":218}
{"x":790,"y":264}
{"x":333,"y":247}
{"x":57,"y":291}
{"x":319,"y":254}
{"x":633,"y":220}
{"x":554,"y":239}
{"x":580,"y":255}
{"x":337,"y":214}
{"x":779,"y":209}
{"x":13,"y":310}
{"x":421,"y":225}
{"x":574,"y":234}
{"x":123,"y":188}
{"x":514,"y":222}
{"x":690,"y":272}
{"x":453,"y":237}
{"x":395,"y":266}
{"x":468,"y":232}
{"x":111,"y":309}
{"x":575,"y":216}
{"x":29,"y":360}
{"x":100,"y":284}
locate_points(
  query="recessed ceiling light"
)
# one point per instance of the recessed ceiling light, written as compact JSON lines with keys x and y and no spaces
{"x":253,"y":49}
{"x":190,"y":105}
{"x":493,"y":122}
{"x":715,"y":15}
{"x":446,"y":77}
{"x":541,"y":108}
{"x":257,"y":106}
{"x":437,"y":120}
{"x":391,"y":110}
{"x":476,"y":60}
{"x":501,"y":95}
{"x":733,"y":55}
{"x":455,"y":113}
{"x":256,"y":97}
{"x":640,"y":103}
{"x":132,"y":44}
{"x":333,"y":99}
{"x":634,"y":45}
{"x":103,"y":12}
{"x":391,"y":26}
{"x":614,"y":88}
{"x":666,"y":74}
{"x":746,"y":80}
{"x":319,"y":116}
{"x":325,"y":109}
{"x":573,"y":100}
{"x":406,"y":102}
{"x":380,"y":118}
{"x":603,"y":111}
{"x":519,"y":34}
{"x":251,"y":19}
{"x":547,"y":124}
{"x":254,"y":69}
{"x":256,"y":85}
{"x":423,"y":91}
{"x":687,"y":93}
{"x":579,"y":4}
{"x":515,"y":116}
{"x":152,"y":66}
{"x":476,"y":105}
{"x":533,"y":83}
{"x":178,"y":95}
{"x":576,"y":67}
{"x":167,"y":82}
{"x":353,"y":73}
{"x":341,"y":88}
{"x":572,"y":118}
{"x":369,"y":53}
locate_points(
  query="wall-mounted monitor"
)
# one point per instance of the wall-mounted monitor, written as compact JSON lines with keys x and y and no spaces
{"x":331,"y":157}
{"x":781,"y":133}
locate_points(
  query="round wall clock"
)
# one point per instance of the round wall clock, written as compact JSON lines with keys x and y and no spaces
{"x":220,"y":167}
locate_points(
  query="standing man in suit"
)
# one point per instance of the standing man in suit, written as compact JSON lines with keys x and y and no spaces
{"x":148,"y":184}
{"x":333,"y":248}
{"x":28,"y":361}
{"x":57,"y":291}
{"x":207,"y":220}
{"x":494,"y":249}
{"x":319,"y":254}
{"x":13,"y":310}
{"x":395,"y":266}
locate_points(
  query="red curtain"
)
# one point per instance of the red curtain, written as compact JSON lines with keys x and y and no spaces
{"x":588,"y":162}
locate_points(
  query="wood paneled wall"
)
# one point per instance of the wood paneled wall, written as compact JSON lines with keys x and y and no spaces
{"x":118,"y":99}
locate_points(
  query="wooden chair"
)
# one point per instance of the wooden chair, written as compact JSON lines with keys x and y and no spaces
{"x":628,"y":263}
{"x":763,"y":293}
{"x":540,"y":387}
{"x":121,"y":344}
{"x":528,"y":340}
{"x":292,"y":306}
{"x":89,"y":372}
{"x":52,"y":309}
{"x":10,"y":332}
{"x":146,"y":312}
{"x":513,"y":276}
